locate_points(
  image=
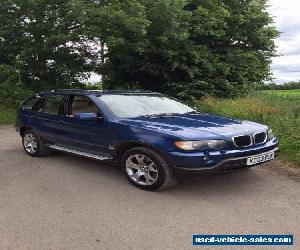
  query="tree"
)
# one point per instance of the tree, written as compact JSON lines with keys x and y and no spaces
{"x":185,"y":47}
{"x":122,"y":27}
{"x":44,"y":41}
{"x":12,"y":90}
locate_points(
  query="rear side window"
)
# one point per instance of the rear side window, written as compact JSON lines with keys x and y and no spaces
{"x":53,"y":104}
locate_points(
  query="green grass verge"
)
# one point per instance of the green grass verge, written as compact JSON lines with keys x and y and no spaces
{"x":292,"y":93}
{"x":7,"y":115}
{"x":279,"y":111}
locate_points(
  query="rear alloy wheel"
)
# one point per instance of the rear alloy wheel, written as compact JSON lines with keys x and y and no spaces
{"x":34,"y":145}
{"x":147,"y":170}
{"x":30,"y":143}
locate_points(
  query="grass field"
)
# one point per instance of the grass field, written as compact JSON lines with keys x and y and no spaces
{"x":293,"y":93}
{"x":278,"y":109}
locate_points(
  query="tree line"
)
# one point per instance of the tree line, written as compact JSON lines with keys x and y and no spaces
{"x":185,"y":48}
{"x":284,"y":86}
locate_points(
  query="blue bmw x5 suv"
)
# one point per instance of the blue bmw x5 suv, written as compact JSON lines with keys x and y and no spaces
{"x":151,"y":136}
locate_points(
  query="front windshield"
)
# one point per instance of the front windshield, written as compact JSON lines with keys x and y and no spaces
{"x":128,"y":106}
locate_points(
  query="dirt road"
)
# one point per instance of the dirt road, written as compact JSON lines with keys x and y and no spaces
{"x":67,"y":202}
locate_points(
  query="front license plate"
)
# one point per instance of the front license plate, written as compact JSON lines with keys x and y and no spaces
{"x":260,"y":158}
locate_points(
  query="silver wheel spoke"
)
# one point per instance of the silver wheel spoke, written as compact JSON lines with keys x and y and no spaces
{"x":137,"y":175}
{"x":140,"y":159}
{"x":152,"y":168}
{"x":149,"y":179}
{"x":131,"y":164}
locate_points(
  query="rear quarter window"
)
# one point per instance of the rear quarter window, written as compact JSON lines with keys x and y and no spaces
{"x":35,"y":103}
{"x":28,"y":105}
{"x":39,"y":104}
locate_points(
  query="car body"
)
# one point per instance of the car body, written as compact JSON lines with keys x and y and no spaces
{"x":124,"y":126}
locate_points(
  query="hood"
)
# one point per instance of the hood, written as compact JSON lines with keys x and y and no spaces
{"x":196,"y":126}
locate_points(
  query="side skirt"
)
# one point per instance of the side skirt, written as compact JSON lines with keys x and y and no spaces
{"x":81,"y":153}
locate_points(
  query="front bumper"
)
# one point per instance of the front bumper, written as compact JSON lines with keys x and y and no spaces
{"x":219,"y":161}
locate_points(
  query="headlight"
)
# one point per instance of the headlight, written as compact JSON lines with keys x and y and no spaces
{"x":201,"y":145}
{"x":270,"y":134}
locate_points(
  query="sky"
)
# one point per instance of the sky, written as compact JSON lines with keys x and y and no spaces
{"x":285,"y":67}
{"x":286,"y":15}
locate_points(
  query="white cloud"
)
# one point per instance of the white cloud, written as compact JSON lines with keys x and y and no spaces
{"x":287,"y":20}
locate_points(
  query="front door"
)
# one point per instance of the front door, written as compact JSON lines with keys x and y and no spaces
{"x":93,"y":136}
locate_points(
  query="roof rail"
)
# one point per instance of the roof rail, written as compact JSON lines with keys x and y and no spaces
{"x":96,"y":91}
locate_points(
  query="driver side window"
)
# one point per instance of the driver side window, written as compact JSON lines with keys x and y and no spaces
{"x":82,"y":104}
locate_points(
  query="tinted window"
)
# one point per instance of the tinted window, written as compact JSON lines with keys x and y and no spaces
{"x":82,"y":104}
{"x":53,"y":104}
{"x":30,"y":103}
{"x":38,"y":106}
{"x":141,"y":105}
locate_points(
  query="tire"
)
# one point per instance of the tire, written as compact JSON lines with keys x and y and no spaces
{"x":33,"y":144}
{"x":147,"y":170}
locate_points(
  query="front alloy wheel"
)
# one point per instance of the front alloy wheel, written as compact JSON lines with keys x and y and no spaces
{"x":141,"y":169}
{"x":147,"y":169}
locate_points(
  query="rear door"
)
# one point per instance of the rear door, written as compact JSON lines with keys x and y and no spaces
{"x":49,"y":123}
{"x":28,"y":112}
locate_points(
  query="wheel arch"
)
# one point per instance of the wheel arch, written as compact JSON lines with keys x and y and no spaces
{"x":127,"y":145}
{"x":23,"y":129}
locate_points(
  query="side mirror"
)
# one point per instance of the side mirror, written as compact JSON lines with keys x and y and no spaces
{"x":87,"y":116}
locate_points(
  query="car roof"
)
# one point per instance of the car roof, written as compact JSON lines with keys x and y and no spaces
{"x":99,"y":92}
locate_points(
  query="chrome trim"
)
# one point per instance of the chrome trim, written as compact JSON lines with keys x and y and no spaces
{"x":226,"y":160}
{"x":76,"y":152}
